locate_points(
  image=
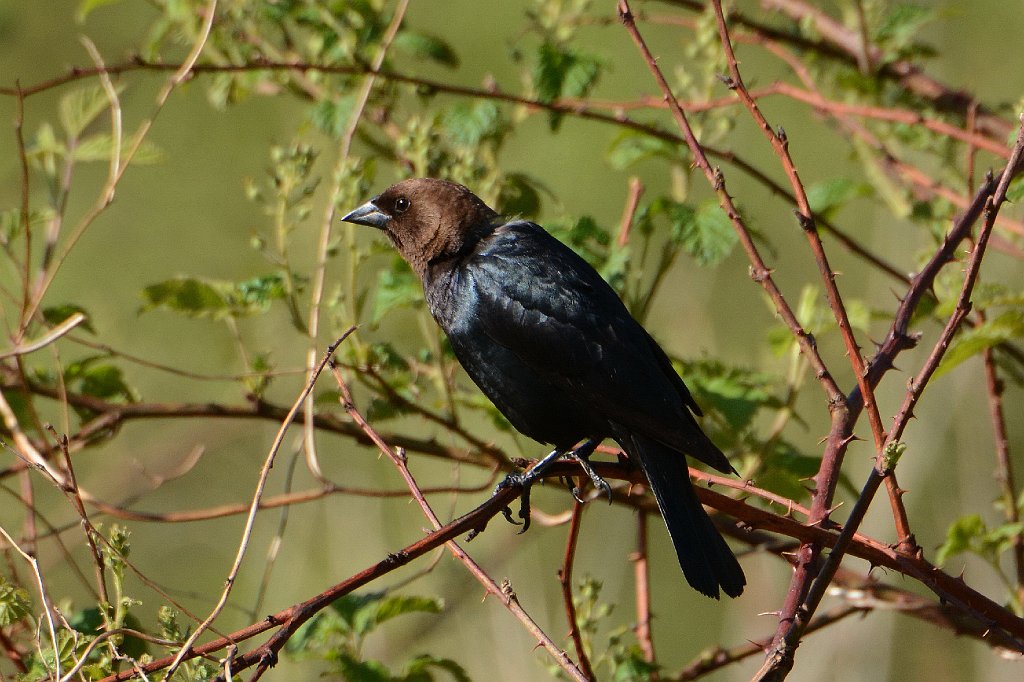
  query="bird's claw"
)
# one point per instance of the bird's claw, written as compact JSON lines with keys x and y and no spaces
{"x":599,"y":483}
{"x":524,"y":481}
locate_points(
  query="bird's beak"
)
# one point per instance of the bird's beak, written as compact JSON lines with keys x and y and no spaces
{"x":368,"y":214}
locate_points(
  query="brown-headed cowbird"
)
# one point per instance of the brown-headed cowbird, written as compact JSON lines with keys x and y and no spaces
{"x":556,"y":351}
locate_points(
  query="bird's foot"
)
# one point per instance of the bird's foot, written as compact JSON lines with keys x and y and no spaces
{"x":595,"y":478}
{"x":582,"y":455}
{"x":525,"y":481}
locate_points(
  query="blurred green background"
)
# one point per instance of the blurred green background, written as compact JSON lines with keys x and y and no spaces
{"x":188,"y":214}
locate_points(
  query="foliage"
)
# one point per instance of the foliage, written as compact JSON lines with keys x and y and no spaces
{"x":369,"y":97}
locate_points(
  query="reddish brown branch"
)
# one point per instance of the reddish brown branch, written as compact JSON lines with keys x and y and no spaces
{"x":641,"y":580}
{"x":1004,"y":465}
{"x":290,"y":619}
{"x":780,"y":658}
{"x":503,"y":592}
{"x":565,"y":581}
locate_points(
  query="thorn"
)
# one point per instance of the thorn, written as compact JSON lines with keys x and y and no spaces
{"x":806,"y":222}
{"x":770,"y":613}
{"x":781,"y":134}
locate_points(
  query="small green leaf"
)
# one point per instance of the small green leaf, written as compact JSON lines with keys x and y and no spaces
{"x":425,"y":46}
{"x":960,"y":536}
{"x":187,"y":295}
{"x":100,"y":146}
{"x":86,"y":7}
{"x":105,"y":381}
{"x":631,"y":147}
{"x":331,"y":115}
{"x":519,"y":196}
{"x":560,"y":72}
{"x":418,"y":669}
{"x":372,"y":614}
{"x":705,"y":233}
{"x":829,"y":196}
{"x":397,"y":287}
{"x":902,"y":24}
{"x":95,"y":377}
{"x":14,"y":603}
{"x":1015,"y":191}
{"x":354,"y":670}
{"x":468,"y":123}
{"x":1008,"y":326}
{"x":55,"y":315}
{"x":80,"y":107}
{"x":735,"y":392}
{"x":255,"y":295}
{"x":893,"y":452}
{"x":784,"y":469}
{"x":197,"y":297}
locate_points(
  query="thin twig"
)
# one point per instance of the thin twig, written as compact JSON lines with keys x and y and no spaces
{"x":642,"y":587}
{"x":1004,"y":467}
{"x":565,"y":581}
{"x":502,"y":592}
{"x":253,"y":509}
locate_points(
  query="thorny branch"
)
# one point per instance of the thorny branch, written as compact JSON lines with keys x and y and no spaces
{"x":811,"y":579}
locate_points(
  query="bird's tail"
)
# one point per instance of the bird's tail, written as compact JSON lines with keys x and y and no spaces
{"x":705,"y":558}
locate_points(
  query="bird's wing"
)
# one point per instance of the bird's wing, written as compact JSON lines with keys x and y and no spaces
{"x":538,"y":298}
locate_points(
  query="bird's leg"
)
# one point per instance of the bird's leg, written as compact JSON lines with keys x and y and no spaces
{"x":525,"y":481}
{"x":582,"y":455}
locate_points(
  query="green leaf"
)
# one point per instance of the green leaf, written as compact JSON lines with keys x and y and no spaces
{"x":631,"y":147}
{"x":785,"y":469}
{"x":1009,"y":325}
{"x":829,"y":196}
{"x":198,"y":297}
{"x":80,"y":107}
{"x":95,"y":377}
{"x":331,"y":115}
{"x":354,"y":670}
{"x":960,"y":536}
{"x":560,"y":72}
{"x":902,"y":24}
{"x":735,"y":392}
{"x":1015,"y":191}
{"x":519,"y":196}
{"x":255,"y":295}
{"x":705,"y":233}
{"x":469,"y":123}
{"x":397,"y":287}
{"x":373,"y":613}
{"x":425,"y":46}
{"x":971,"y":534}
{"x":100,"y":146}
{"x":14,"y":603}
{"x":418,"y":669}
{"x":55,"y":315}
{"x":187,"y":295}
{"x":630,"y":665}
{"x":86,"y":7}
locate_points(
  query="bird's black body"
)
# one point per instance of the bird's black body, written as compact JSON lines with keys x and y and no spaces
{"x":556,"y":351}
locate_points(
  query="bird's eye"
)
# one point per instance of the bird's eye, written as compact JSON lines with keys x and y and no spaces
{"x":401,"y":205}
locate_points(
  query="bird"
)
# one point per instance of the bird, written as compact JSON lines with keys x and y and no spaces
{"x":552,"y":345}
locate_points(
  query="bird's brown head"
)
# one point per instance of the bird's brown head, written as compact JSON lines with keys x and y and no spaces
{"x":427,"y":220}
